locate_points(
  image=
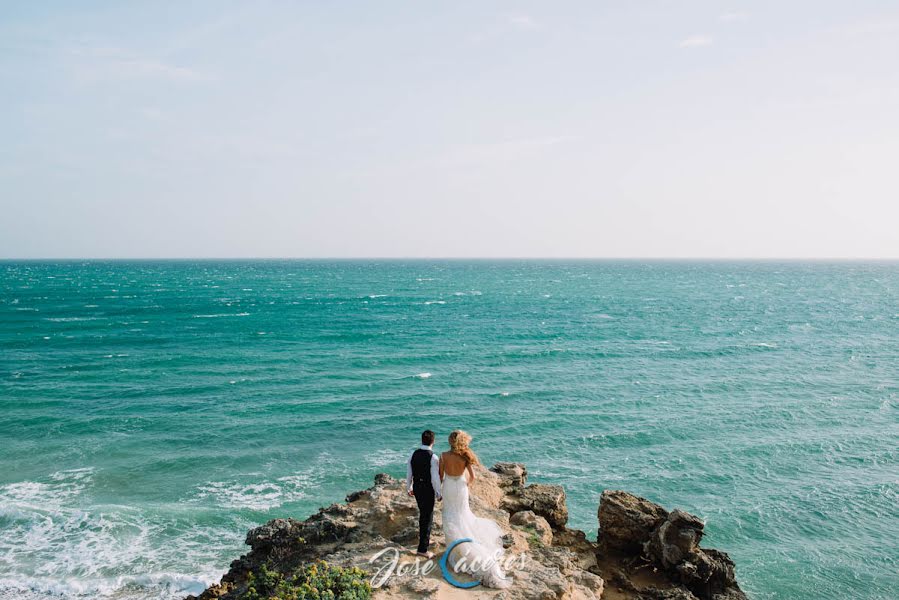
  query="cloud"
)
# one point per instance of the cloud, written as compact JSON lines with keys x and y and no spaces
{"x":94,"y":63}
{"x":695,"y":41}
{"x":506,"y":25}
{"x":150,"y":112}
{"x":491,"y":154}
{"x":147,"y":67}
{"x":734,"y":16}
{"x":477,"y":155}
{"x":523,"y":22}
{"x":880,"y":26}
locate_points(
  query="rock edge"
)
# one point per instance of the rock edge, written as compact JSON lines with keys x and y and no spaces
{"x":643,"y":551}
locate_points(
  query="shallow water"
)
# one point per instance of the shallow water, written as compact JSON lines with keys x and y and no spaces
{"x":154,"y":411}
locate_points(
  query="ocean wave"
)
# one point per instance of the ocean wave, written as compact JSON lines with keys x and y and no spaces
{"x":49,"y":495}
{"x":152,"y":586}
{"x":57,"y":544}
{"x":387,"y":458}
{"x":72,"y":319}
{"x":221,"y":315}
{"x":429,"y":302}
{"x":255,"y":496}
{"x":260,"y":495}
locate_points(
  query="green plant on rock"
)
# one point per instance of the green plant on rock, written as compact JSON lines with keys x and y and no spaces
{"x":316,"y":581}
{"x":533,"y":536}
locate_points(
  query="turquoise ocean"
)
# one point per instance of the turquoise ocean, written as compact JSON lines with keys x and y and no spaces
{"x":152,"y":411}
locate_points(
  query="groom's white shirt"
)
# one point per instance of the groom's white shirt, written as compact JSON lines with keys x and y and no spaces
{"x":435,"y":471}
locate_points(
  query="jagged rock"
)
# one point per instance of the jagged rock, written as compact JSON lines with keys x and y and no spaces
{"x":423,"y":588}
{"x":214,"y":591}
{"x":384,"y":479}
{"x":674,"y":539}
{"x":674,"y":547}
{"x":382,"y":520}
{"x":548,"y":501}
{"x":512,"y":475}
{"x":354,"y":496}
{"x":529,"y":520}
{"x":626,"y":521}
{"x":278,"y":532}
{"x":620,"y":579}
{"x":675,"y":593}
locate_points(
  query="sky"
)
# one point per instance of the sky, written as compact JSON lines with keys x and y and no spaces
{"x":669,"y":129}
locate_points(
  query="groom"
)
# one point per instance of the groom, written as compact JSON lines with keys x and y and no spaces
{"x":423,"y":482}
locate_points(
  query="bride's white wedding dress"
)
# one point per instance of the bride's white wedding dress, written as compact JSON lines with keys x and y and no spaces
{"x":480,"y":557}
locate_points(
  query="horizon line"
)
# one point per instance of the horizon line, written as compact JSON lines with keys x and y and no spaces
{"x":460,"y":258}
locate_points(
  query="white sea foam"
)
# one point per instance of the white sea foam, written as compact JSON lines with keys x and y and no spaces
{"x":435,"y":302}
{"x":261,"y":495}
{"x":56,"y":544}
{"x":386,"y":458}
{"x":71,"y":319}
{"x":232,"y":494}
{"x":222,"y":315}
{"x":422,"y":375}
{"x":152,"y":586}
{"x":378,"y":296}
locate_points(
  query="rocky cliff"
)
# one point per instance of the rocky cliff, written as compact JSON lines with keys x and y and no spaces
{"x":644,"y":552}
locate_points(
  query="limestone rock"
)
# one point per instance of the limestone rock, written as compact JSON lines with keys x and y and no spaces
{"x":548,"y":501}
{"x":674,"y":547}
{"x":513,"y":476}
{"x":675,"y":593}
{"x":626,"y":521}
{"x":379,"y":525}
{"x":538,"y":525}
{"x":384,"y":479}
{"x":675,"y":539}
{"x":277,"y":532}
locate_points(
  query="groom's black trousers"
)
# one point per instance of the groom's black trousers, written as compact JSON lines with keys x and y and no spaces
{"x":424,"y":497}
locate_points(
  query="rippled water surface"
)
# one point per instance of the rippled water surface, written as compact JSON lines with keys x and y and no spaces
{"x":153,"y":411}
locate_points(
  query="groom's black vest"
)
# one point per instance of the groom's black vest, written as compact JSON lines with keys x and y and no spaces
{"x":421,"y":466}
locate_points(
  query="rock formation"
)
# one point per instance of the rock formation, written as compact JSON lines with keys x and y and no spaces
{"x":643,"y":551}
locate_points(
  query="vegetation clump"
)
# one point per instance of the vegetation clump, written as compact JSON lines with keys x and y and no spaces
{"x":315,"y":581}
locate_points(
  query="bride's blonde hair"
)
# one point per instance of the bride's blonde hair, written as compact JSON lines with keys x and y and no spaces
{"x":458,"y":441}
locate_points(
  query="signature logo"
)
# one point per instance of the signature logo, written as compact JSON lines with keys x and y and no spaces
{"x":446,"y":572}
{"x":392,"y":565}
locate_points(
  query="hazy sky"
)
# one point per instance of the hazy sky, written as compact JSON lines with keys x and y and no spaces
{"x":335,"y":129}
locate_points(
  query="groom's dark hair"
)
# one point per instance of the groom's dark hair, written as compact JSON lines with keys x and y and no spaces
{"x":427,"y":437}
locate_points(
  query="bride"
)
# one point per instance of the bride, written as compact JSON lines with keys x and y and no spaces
{"x":480,"y":557}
